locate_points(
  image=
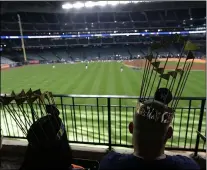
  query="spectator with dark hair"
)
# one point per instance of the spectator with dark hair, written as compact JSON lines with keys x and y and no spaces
{"x":151,"y":129}
{"x":48,"y":146}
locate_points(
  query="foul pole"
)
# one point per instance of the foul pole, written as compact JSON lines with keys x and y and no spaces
{"x":22,"y":39}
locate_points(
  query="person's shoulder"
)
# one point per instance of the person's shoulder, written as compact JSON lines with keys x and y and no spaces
{"x":184,"y":162}
{"x":112,"y":161}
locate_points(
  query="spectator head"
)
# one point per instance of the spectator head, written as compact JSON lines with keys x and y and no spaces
{"x":151,"y":129}
{"x":48,"y":145}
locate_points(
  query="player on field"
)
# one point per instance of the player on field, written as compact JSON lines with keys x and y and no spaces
{"x":121,"y":69}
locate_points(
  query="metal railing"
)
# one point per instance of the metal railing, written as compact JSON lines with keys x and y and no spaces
{"x":103,"y":120}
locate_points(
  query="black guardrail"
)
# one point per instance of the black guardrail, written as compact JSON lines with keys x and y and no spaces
{"x":104,"y":119}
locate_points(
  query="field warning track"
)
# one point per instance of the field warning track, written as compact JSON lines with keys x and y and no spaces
{"x":198,"y":65}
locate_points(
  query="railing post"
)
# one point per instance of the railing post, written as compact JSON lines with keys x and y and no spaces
{"x":97,"y":104}
{"x":199,"y":126}
{"x":120,"y":118}
{"x":186,"y":133}
{"x":109,"y":121}
{"x":61,"y":102}
{"x":73,"y":104}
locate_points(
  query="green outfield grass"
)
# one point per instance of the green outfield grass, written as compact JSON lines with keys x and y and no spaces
{"x":99,"y":79}
{"x":102,"y":79}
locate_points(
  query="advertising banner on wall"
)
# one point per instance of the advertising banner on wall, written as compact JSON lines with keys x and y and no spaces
{"x":4,"y":66}
{"x":34,"y":62}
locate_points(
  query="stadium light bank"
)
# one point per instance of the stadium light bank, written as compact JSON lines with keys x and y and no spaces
{"x":90,"y":4}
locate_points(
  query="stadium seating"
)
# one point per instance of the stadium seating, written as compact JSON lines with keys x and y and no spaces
{"x":48,"y":55}
{"x":6,"y":61}
{"x":33,"y":56}
{"x":122,"y":20}
{"x":49,"y":21}
{"x":62,"y":54}
{"x":105,"y":52}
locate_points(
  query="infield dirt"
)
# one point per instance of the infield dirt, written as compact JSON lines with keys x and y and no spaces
{"x":198,"y":65}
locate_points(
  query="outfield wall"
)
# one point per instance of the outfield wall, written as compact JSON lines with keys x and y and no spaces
{"x":34,"y":62}
{"x":5,"y":66}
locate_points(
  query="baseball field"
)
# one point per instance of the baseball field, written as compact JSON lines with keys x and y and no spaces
{"x":98,"y":79}
{"x":103,"y":78}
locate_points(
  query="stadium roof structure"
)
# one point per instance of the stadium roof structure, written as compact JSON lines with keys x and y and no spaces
{"x":72,"y":23}
{"x":96,"y":6}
